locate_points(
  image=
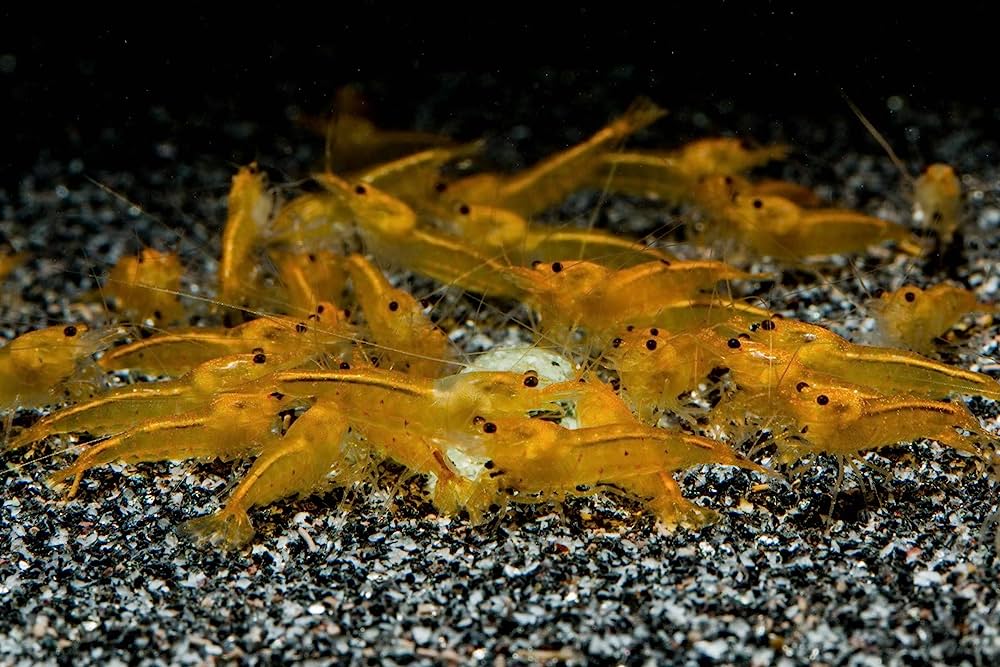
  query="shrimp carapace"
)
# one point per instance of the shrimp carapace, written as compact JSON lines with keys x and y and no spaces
{"x":408,"y":341}
{"x":937,"y":197}
{"x":49,"y":366}
{"x":146,"y":287}
{"x":175,"y":352}
{"x":250,"y":209}
{"x":914,"y":318}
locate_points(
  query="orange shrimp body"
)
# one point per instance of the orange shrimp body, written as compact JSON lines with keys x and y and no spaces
{"x":146,"y":287}
{"x":913,"y":318}
{"x":937,"y":196}
{"x":309,"y":278}
{"x":44,"y":367}
{"x":408,"y":340}
{"x":250,"y":207}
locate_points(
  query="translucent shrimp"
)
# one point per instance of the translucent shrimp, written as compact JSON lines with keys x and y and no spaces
{"x":250,"y":209}
{"x":115,"y":410}
{"x":177,"y":351}
{"x":309,"y":278}
{"x":568,"y":295}
{"x":533,"y":460}
{"x":47,"y":366}
{"x":937,"y":197}
{"x":408,"y":340}
{"x":298,"y":463}
{"x":146,"y":287}
{"x":777,"y":227}
{"x":415,"y":178}
{"x":913,"y":318}
{"x":550,"y":181}
{"x":232,"y":425}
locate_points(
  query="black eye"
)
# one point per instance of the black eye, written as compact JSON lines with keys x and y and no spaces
{"x":259,"y":358}
{"x":320,"y":308}
{"x":360,"y":189}
{"x":440,"y":186}
{"x":536,"y":263}
{"x":425,"y":303}
{"x":477,"y":420}
{"x":489,"y":427}
{"x":344,"y":366}
{"x":276,"y":395}
{"x":650,"y":344}
{"x":654,"y":332}
{"x":394,"y":306}
{"x":531,"y":381}
{"x":822,"y":399}
{"x":301,"y":327}
{"x":489,"y":465}
{"x":758,"y":203}
{"x":556,"y":267}
{"x":800,"y":386}
{"x":910,"y":296}
{"x":767,"y":325}
{"x":630,"y":327}
{"x":733,"y":343}
{"x":464,"y":209}
{"x":617,"y":342}
{"x":69,"y":331}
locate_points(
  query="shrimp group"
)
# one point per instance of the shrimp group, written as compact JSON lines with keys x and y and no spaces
{"x":643,"y":364}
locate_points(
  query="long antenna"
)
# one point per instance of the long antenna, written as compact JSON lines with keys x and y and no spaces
{"x":879,"y":138}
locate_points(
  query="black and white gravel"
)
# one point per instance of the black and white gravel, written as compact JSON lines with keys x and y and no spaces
{"x":898,"y":575}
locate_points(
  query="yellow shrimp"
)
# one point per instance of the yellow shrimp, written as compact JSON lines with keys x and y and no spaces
{"x":297,"y":463}
{"x":913,"y":318}
{"x":177,"y":351}
{"x":550,"y":181}
{"x":532,"y":460}
{"x":115,"y":410}
{"x":407,"y":339}
{"x":568,"y":295}
{"x":779,"y":228}
{"x":44,"y":367}
{"x":937,"y":196}
{"x":9,"y":261}
{"x":250,"y":208}
{"x":146,"y":287}
{"x":415,"y":178}
{"x":310,"y":278}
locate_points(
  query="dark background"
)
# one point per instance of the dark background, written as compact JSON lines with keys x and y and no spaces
{"x":68,"y":76}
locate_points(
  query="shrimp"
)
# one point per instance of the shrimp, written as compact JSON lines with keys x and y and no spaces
{"x":310,"y":278}
{"x":43,"y":367}
{"x":9,"y":261}
{"x":568,"y":295}
{"x":115,"y":410}
{"x":250,"y":209}
{"x":408,"y":340}
{"x":776,"y":227}
{"x":146,"y":287}
{"x":551,"y":180}
{"x":177,"y":351}
{"x":533,"y":460}
{"x":937,"y":198}
{"x":913,"y":318}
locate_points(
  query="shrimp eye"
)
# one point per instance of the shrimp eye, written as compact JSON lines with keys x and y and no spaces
{"x":800,"y":386}
{"x":531,"y":381}
{"x":425,"y":303}
{"x":394,"y":306}
{"x":360,"y":189}
{"x":937,"y":216}
{"x":744,"y":336}
{"x":879,"y":292}
{"x":617,"y":342}
{"x":733,"y":343}
{"x":729,"y":180}
{"x":276,"y":395}
{"x":344,"y":366}
{"x":259,"y":358}
{"x":630,"y":328}
{"x":489,"y":465}
{"x":257,"y":350}
{"x":822,"y":399}
{"x":320,"y":308}
{"x":69,"y":331}
{"x":536,"y":263}
{"x":301,"y":327}
{"x":758,"y":203}
{"x":477,"y":420}
{"x":910,"y":296}
{"x":314,"y":317}
{"x":650,"y":344}
{"x":464,"y":209}
{"x":440,"y":186}
{"x":654,"y":332}
{"x":489,"y":427}
{"x":767,"y":325}
{"x":664,"y":262}
{"x":557,"y":267}
{"x":311,"y":257}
